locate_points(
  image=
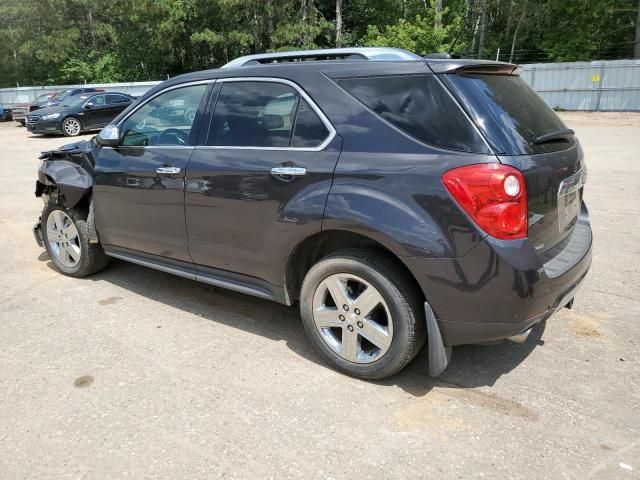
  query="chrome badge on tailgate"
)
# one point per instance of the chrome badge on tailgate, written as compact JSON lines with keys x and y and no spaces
{"x":569,"y":199}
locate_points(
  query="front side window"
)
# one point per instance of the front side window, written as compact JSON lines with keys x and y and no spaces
{"x":264,"y":114}
{"x":419,"y":106}
{"x":97,"y":101}
{"x":165,"y":120}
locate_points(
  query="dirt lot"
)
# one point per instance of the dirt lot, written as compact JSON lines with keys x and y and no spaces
{"x":135,"y":373}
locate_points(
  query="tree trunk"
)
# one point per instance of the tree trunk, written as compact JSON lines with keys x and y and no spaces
{"x":636,"y":48}
{"x":338,"y":23}
{"x":92,"y":30}
{"x":483,"y":24}
{"x":515,"y":32}
{"x":474,"y":35}
{"x":270,"y":26}
{"x":438,"y":22}
{"x":256,"y":28}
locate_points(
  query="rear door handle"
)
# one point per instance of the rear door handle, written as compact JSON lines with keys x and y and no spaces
{"x":168,"y":170}
{"x":289,"y":171}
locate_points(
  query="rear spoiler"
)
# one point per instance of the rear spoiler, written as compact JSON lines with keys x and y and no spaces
{"x":473,"y":66}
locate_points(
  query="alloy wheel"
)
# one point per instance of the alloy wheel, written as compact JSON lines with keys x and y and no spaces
{"x":352,"y":318}
{"x":71,"y":127}
{"x":63,"y":238}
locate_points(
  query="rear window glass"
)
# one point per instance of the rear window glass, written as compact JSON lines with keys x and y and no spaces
{"x":419,"y":106}
{"x":509,"y":113}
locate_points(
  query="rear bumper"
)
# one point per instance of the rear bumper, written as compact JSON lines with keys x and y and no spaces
{"x":499,"y":289}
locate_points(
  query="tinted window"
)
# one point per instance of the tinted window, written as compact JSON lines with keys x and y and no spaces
{"x":309,"y":131}
{"x":419,"y":106}
{"x":97,"y":100}
{"x":116,"y":99}
{"x":253,"y":114}
{"x":509,"y":112}
{"x":165,"y":120}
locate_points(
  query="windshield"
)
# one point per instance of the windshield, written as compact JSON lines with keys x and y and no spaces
{"x":510,"y":114}
{"x":62,"y":95}
{"x":75,"y":100}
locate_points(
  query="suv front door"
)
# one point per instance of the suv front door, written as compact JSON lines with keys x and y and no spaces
{"x":139,"y":185}
{"x":258,"y":184}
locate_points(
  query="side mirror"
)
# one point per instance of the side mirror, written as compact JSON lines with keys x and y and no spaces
{"x":88,"y":106}
{"x":109,"y":136}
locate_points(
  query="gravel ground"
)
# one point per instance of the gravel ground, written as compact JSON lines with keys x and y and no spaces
{"x":134,"y":373}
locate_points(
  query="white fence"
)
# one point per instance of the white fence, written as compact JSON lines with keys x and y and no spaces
{"x":612,"y":85}
{"x":593,"y":86}
{"x":13,"y":96}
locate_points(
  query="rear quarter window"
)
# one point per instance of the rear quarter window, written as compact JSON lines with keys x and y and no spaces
{"x":419,"y":106}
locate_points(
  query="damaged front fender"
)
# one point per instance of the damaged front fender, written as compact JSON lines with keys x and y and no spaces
{"x":70,"y":170}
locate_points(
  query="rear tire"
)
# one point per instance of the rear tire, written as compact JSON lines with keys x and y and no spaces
{"x":66,"y":237}
{"x":371,"y":345}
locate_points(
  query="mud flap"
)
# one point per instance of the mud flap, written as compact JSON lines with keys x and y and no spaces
{"x":37,"y":232}
{"x":91,"y":222}
{"x":439,"y":355}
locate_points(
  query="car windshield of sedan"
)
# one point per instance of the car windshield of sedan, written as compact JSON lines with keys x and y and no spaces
{"x":62,"y":95}
{"x":75,"y":100}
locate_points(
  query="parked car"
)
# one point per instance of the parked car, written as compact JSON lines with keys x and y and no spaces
{"x":395,"y":198}
{"x":5,"y":114}
{"x":60,"y":98}
{"x":22,"y":110}
{"x":42,"y":101}
{"x":78,"y":114}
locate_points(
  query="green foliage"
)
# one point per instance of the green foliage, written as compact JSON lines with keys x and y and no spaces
{"x":419,"y":36}
{"x":76,"y":41}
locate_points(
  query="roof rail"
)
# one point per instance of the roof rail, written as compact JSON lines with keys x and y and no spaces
{"x":385,"y":54}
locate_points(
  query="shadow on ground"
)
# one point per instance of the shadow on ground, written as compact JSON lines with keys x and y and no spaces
{"x":471,"y":365}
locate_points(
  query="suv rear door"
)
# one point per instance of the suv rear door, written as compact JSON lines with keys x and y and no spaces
{"x":245,"y":210}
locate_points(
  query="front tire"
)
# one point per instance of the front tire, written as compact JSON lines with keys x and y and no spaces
{"x":362,"y":313}
{"x":71,"y":127}
{"x":66,"y":238}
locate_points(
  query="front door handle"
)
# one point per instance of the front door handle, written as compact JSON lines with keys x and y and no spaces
{"x":289,"y":171}
{"x":167,"y":170}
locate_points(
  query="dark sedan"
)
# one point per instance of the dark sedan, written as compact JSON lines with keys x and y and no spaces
{"x":79,"y":114}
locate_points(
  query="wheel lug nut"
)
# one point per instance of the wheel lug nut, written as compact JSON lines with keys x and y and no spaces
{"x":357,"y":311}
{"x":350,"y":328}
{"x":341,"y":317}
{"x":360,"y":325}
{"x":346,"y":308}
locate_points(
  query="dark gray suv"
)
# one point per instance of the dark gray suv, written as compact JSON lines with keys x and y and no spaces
{"x":395,"y":198}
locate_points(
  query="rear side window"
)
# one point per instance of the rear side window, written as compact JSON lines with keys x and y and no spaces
{"x":419,"y":106}
{"x":264,"y":114}
{"x":111,"y":99}
{"x":309,"y":131}
{"x":510,"y":114}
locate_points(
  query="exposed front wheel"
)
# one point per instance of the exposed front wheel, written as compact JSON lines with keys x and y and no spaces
{"x":362,"y":313}
{"x":65,"y":236}
{"x":71,"y":127}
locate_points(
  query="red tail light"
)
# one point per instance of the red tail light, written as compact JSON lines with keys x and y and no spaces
{"x":493,"y":195}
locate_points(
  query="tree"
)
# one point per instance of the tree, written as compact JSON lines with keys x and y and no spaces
{"x":515,"y":32}
{"x":636,"y":48}
{"x":483,"y":25}
{"x":339,"y":23}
